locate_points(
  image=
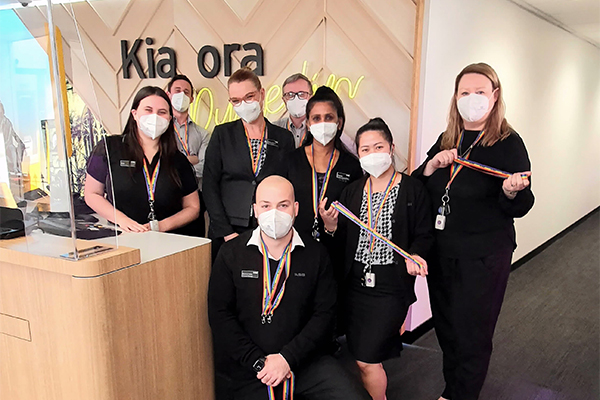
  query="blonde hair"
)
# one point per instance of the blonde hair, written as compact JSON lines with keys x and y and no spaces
{"x":244,"y":74}
{"x":496,"y":126}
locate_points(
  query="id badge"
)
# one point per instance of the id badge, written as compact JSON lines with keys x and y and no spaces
{"x":440,"y":222}
{"x":369,"y":279}
{"x":154,"y":225}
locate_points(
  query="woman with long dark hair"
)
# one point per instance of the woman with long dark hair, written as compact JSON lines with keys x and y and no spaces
{"x":153,"y":184}
{"x":322,"y":166}
{"x":475,"y":234}
{"x":376,"y":284}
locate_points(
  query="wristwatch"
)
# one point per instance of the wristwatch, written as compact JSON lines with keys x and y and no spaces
{"x":259,"y":364}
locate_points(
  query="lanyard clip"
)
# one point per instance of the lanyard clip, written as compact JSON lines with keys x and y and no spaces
{"x":263,"y":319}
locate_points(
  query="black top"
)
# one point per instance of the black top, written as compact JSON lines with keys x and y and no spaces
{"x":481,"y":216}
{"x":298,"y":170}
{"x":128,"y":182}
{"x":412,"y":226}
{"x":228,"y":181}
{"x":301,"y":328}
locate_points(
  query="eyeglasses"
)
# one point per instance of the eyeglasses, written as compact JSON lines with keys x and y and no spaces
{"x":301,"y":95}
{"x":248,"y":98}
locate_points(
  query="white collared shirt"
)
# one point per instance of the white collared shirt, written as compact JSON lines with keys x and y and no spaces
{"x":255,"y":241}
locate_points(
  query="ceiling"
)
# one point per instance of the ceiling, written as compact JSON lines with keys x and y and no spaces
{"x":580,"y":17}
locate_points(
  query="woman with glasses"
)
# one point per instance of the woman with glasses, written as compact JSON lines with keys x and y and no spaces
{"x":240,"y":154}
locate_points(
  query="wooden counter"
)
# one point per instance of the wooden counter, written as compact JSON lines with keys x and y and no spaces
{"x":130,"y":323}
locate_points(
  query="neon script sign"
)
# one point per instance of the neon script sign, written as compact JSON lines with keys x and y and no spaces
{"x":273,"y":102}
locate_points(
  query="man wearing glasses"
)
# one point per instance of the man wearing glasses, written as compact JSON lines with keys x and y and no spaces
{"x":297,"y":89}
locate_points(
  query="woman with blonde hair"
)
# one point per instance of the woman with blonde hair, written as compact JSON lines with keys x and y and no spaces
{"x":475,"y":207}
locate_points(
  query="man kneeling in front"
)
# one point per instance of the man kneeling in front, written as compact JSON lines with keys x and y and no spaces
{"x":271,"y":303}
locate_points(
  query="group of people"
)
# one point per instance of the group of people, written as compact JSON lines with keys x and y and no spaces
{"x":313,"y":240}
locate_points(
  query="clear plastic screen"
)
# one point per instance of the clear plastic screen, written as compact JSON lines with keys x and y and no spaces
{"x":49,"y":132}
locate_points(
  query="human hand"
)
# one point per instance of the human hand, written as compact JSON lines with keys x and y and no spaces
{"x":129,"y":225}
{"x":232,"y":236}
{"x":413,"y":269}
{"x":330,"y":216}
{"x":515,"y":183}
{"x":440,"y":160}
{"x":276,"y":369}
{"x":193,"y":160}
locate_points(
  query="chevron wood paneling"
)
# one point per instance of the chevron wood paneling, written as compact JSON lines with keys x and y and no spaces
{"x":346,"y":38}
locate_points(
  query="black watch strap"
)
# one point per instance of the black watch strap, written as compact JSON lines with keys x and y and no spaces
{"x":259,"y":364}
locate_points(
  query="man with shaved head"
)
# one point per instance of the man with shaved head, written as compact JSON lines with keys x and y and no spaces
{"x":271,"y":302}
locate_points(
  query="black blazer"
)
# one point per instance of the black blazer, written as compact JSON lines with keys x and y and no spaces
{"x":297,"y":169}
{"x":228,"y":181}
{"x":412,"y":226}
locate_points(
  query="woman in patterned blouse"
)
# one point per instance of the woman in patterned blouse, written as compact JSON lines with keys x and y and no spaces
{"x":377,"y":284}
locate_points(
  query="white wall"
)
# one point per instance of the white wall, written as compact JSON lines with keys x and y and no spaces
{"x":551,"y":82}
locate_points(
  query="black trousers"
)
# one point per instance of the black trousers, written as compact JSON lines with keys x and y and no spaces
{"x":323,"y":379}
{"x":466,"y":297}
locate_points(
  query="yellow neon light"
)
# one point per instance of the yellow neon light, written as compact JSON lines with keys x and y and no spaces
{"x":272,"y":96}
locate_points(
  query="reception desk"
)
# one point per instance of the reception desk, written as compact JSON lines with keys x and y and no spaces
{"x":130,"y":323}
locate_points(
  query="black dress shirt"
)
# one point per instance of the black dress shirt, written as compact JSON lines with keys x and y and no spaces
{"x":481,"y":216}
{"x":301,"y":328}
{"x":129,"y":185}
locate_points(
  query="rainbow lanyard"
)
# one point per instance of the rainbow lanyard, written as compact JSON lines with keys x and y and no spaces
{"x":256,"y":161}
{"x":271,"y":299}
{"x":288,"y":389}
{"x":348,"y":214}
{"x":318,"y":197}
{"x":184,"y":141}
{"x":373,"y":221}
{"x":289,"y":128}
{"x":151,"y":186}
{"x":455,"y":168}
{"x":485,"y":169}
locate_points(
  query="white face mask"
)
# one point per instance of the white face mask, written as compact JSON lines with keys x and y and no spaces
{"x":297,"y":107}
{"x":180,"y":101}
{"x":248,"y":111}
{"x":152,"y":125}
{"x":376,"y":163}
{"x":324,"y":132}
{"x":275,"y":224}
{"x":473,"y":107}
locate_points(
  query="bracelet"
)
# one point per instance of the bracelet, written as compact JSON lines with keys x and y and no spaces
{"x":330,"y":233}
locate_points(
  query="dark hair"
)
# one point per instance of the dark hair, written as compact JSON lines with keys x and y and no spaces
{"x":180,"y":78}
{"x":325,"y":94}
{"x":375,"y":124}
{"x":167,"y":145}
{"x":244,"y":74}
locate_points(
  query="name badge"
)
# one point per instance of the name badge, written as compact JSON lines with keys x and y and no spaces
{"x":127,"y":163}
{"x":271,"y":142}
{"x":342,"y":176}
{"x":300,"y":274}
{"x":248,"y":273}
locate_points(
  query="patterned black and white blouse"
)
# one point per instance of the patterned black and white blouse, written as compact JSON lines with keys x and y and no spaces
{"x":382,"y":254}
{"x":255,"y":149}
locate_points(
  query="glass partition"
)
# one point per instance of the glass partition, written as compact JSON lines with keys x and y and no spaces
{"x":49,"y":132}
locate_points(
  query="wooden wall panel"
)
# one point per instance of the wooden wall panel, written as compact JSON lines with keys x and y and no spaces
{"x":350,"y":38}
